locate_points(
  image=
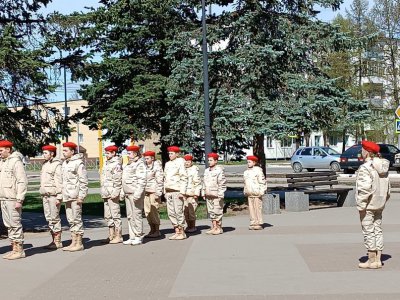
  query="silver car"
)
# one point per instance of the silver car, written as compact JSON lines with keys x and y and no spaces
{"x":312,"y":158}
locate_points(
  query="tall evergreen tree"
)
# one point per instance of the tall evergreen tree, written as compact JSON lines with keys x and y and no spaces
{"x":121,"y":47}
{"x":24,"y":81}
{"x":268,"y":58}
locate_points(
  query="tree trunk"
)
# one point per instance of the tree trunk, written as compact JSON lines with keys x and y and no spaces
{"x":325,"y":135}
{"x":258,"y":150}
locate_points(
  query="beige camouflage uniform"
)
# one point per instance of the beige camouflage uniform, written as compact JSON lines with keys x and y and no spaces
{"x":75,"y":186}
{"x":193,"y":189}
{"x":254,"y":188}
{"x":175,"y":183}
{"x":111,"y":185}
{"x":133,"y":186}
{"x":13,"y":187}
{"x":153,"y":192}
{"x":214,"y":187}
{"x":51,"y":192}
{"x":372,"y":192}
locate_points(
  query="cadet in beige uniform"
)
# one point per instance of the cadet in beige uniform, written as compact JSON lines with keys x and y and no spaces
{"x":254,"y":188}
{"x":111,"y":184}
{"x":214,"y":187}
{"x":192,"y":193}
{"x":153,"y":192}
{"x":51,"y":192}
{"x":133,"y":186}
{"x":372,"y":192}
{"x":75,"y":188}
{"x":175,"y":185}
{"x":13,"y":187}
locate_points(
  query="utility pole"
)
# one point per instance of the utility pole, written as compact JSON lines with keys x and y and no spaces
{"x":65,"y":97}
{"x":207,"y":123}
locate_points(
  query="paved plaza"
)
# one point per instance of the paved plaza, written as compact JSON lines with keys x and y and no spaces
{"x":307,"y":255}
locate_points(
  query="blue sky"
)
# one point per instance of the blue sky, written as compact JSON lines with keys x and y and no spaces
{"x":66,"y":7}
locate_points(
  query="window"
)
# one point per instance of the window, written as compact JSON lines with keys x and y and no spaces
{"x":268,"y":142}
{"x":80,"y":138}
{"x":317,"y":152}
{"x":306,"y":151}
{"x":330,"y":151}
{"x":286,"y":142}
{"x":317,"y":140}
{"x":393,"y":149}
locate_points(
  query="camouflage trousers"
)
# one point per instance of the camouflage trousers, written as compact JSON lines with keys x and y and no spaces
{"x":371,"y":225}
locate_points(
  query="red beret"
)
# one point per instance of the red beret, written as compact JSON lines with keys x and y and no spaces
{"x":252,"y":157}
{"x":173,"y":149}
{"x":149,"y":153}
{"x":213,"y":155}
{"x":111,"y":148}
{"x":70,"y":145}
{"x":50,"y":148}
{"x":5,"y":143}
{"x":188,"y":157}
{"x":370,"y":146}
{"x":133,"y":148}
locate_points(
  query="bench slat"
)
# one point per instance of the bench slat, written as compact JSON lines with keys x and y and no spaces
{"x":311,"y":184}
{"x":327,"y":191}
{"x":312,"y":179}
{"x":313,"y":174}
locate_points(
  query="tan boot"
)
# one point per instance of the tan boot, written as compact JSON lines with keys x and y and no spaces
{"x":18,"y":252}
{"x":175,"y":234}
{"x":52,"y":245}
{"x":371,"y":263}
{"x":73,"y":242}
{"x":117,"y":236}
{"x":57,"y":240}
{"x":156,"y":233}
{"x":181,"y":234}
{"x":13,"y":248}
{"x":378,"y":258}
{"x":213,"y":227}
{"x":218,"y":229}
{"x":78,"y":245}
{"x":111,"y":235}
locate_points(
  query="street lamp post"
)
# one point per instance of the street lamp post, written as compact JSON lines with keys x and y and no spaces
{"x":65,"y":97}
{"x":207,"y":125}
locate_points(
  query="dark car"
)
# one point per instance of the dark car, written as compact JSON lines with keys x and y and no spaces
{"x":351,"y":159}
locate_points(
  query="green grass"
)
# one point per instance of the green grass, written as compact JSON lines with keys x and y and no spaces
{"x":94,"y":184}
{"x":93,"y":206}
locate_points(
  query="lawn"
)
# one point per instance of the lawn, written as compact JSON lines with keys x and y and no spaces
{"x":93,"y":205}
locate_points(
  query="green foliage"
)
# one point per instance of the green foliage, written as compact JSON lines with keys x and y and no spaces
{"x":267,"y":70}
{"x":24,"y":83}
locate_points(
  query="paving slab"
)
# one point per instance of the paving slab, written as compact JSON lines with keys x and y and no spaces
{"x":298,"y":255}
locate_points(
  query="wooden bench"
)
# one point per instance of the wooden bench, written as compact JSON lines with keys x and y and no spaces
{"x":301,"y":185}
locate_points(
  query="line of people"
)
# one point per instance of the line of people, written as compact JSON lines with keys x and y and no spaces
{"x":140,"y":183}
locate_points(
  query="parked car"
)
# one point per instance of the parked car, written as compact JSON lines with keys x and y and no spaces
{"x":396,"y":164}
{"x":312,"y":158}
{"x":351,"y":159}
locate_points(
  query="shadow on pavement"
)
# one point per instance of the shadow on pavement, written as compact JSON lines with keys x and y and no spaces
{"x":266,"y":225}
{"x":30,"y":250}
{"x":384,"y":258}
{"x":199,"y":229}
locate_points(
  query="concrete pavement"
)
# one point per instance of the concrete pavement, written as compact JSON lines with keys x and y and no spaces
{"x":308,"y":255}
